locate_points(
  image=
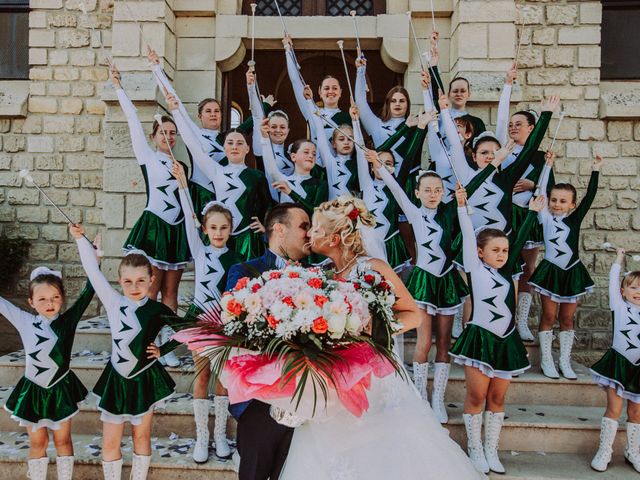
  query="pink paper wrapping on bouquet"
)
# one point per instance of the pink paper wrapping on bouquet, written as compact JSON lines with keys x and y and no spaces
{"x":196,"y":340}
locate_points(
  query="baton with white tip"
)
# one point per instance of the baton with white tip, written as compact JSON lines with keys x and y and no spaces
{"x":346,"y":71}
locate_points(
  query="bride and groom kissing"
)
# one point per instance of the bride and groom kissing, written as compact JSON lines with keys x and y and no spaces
{"x":398,"y":435}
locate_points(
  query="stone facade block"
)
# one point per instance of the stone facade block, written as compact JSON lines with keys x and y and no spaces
{"x":617,"y":130}
{"x":612,"y":220}
{"x":71,"y":105}
{"x":561,"y":14}
{"x":73,"y":38}
{"x":620,"y":167}
{"x":65,"y":180}
{"x":58,"y":124}
{"x":95,"y":107}
{"x":577,"y":150}
{"x":42,"y":251}
{"x":37,"y":88}
{"x":40,"y":144}
{"x":627,"y":200}
{"x":32,"y":214}
{"x":544,"y":36}
{"x":23,"y":196}
{"x":585,"y":77}
{"x":82,"y":89}
{"x":83,"y":198}
{"x":54,"y":232}
{"x":46,"y":4}
{"x":88,"y":125}
{"x":59,"y":20}
{"x":122,"y":176}
{"x":592,"y":130}
{"x":37,"y":19}
{"x":49,"y":162}
{"x":590,"y":12}
{"x":37,"y":56}
{"x":559,"y":57}
{"x":69,"y":143}
{"x":41,"y":74}
{"x":471,"y":40}
{"x":84,"y":162}
{"x":547,"y":77}
{"x":66,"y":74}
{"x":58,"y":89}
{"x":589,"y":57}
{"x":579,"y":35}
{"x":82,"y":58}
{"x":91,"y":180}
{"x":630,"y":149}
{"x":58,"y":57}
{"x":606,"y":150}
{"x":502,"y":38}
{"x":43,"y":105}
{"x":584,"y":109}
{"x":126,"y":40}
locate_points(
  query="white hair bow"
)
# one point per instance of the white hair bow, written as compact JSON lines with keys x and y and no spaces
{"x":44,"y":271}
{"x":485,"y":134}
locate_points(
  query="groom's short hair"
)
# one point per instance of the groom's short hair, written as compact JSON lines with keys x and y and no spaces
{"x":279,"y":213}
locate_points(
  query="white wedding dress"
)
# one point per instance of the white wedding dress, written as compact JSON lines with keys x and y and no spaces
{"x":398,"y":437}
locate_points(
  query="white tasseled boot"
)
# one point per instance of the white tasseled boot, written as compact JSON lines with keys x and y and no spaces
{"x":473,"y":426}
{"x":221,"y":411}
{"x":140,"y":467}
{"x":64,"y":465}
{"x":112,"y":470}
{"x":420,"y":372}
{"x":522,"y":316}
{"x":608,"y":430}
{"x":170,"y":358}
{"x":632,"y":451}
{"x":492,"y":427}
{"x":457,"y":328}
{"x":201,"y":408}
{"x":38,"y":468}
{"x":566,"y":343}
{"x":546,"y":359}
{"x":440,"y":379}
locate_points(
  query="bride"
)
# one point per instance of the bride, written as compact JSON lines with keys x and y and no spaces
{"x":399,"y":436}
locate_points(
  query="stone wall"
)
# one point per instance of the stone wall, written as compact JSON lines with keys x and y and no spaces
{"x":75,"y":140}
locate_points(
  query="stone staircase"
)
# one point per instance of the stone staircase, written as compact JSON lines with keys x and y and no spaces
{"x":551,"y":427}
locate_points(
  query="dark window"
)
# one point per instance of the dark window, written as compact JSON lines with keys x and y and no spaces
{"x":332,"y":8}
{"x":620,"y":40}
{"x":14,"y":39}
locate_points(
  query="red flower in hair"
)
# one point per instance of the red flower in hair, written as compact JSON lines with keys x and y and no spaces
{"x":353,"y":214}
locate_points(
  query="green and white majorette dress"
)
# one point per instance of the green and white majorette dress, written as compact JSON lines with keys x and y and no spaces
{"x":341,"y":170}
{"x":619,"y":367}
{"x":561,"y":275}
{"x":381,"y":203}
{"x":201,"y":188}
{"x":49,"y":392}
{"x":131,"y":385}
{"x":211,"y":264}
{"x":490,"y":342}
{"x":159,"y":232}
{"x":338,"y":116}
{"x":244,"y":191}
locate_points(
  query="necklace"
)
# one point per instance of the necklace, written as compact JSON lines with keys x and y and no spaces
{"x":349,"y":263}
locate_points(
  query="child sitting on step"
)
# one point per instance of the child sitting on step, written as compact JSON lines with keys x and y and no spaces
{"x":47,"y":396}
{"x":212,"y":262}
{"x":618,"y":371}
{"x":561,"y":278}
{"x":133,"y":383}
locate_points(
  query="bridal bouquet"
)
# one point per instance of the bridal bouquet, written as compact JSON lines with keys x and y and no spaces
{"x":289,"y":334}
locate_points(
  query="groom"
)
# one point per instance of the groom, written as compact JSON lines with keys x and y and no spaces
{"x":262,"y":442}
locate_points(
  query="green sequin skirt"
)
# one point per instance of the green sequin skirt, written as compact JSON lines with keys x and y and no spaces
{"x":165,"y":245}
{"x":536,"y":237}
{"x":613,"y":370}
{"x":397,"y":254}
{"x":247,"y":244}
{"x":437,"y":295}
{"x":562,"y":286}
{"x":129,"y":399}
{"x":36,"y":406}
{"x":494,"y":356}
{"x":200,"y":196}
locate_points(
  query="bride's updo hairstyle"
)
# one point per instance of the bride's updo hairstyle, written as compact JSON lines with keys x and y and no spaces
{"x":344,"y":216}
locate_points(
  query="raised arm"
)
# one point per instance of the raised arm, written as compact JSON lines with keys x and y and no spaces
{"x":410,"y":210}
{"x":256,"y":113}
{"x":457,"y":155}
{"x":370,"y":121}
{"x":515,"y":248}
{"x":193,"y":233}
{"x":82,"y":302}
{"x":270,"y":168}
{"x":16,"y":316}
{"x":470,"y":257}
{"x":296,"y":81}
{"x":364,"y":177}
{"x":141,"y":148}
{"x":615,"y":296}
{"x":592,"y":190}
{"x":325,"y":152}
{"x":107,"y":295}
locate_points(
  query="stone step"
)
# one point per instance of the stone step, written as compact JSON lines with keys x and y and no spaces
{"x":559,"y":466}
{"x":175,"y":418}
{"x":171,"y":459}
{"x":544,"y":428}
{"x":531,"y":388}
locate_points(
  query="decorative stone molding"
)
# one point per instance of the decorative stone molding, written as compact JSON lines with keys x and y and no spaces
{"x":620,"y":99}
{"x":14,"y":96}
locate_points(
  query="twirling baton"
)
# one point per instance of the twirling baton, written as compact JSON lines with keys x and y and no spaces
{"x":346,"y":71}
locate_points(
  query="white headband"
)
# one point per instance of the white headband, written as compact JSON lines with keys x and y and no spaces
{"x":44,"y":271}
{"x":280,"y":113}
{"x":485,"y":134}
{"x":136,"y":251}
{"x":213,"y":203}
{"x":422,"y":172}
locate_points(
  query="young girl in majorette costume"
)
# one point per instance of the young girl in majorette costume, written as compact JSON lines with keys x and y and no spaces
{"x":434,"y":283}
{"x":329,"y":91}
{"x":490,"y":348}
{"x":212,"y":140}
{"x":378,"y":197}
{"x":618,"y":371}
{"x":48,"y":394}
{"x":561,"y":278}
{"x":212,"y":262}
{"x":133,"y":383}
{"x":159,"y":232}
{"x":244,"y":191}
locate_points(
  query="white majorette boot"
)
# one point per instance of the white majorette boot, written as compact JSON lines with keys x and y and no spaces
{"x":112,"y":470}
{"x":440,"y":379}
{"x":492,"y":427}
{"x":170,"y":359}
{"x":201,"y":408}
{"x":522,"y":316}
{"x":546,"y":359}
{"x":38,"y":468}
{"x":140,"y":467}
{"x":64,"y":465}
{"x":473,"y":426}
{"x":221,"y":411}
{"x":566,"y":342}
{"x":420,"y":372}
{"x":457,"y":328}
{"x":608,"y":430}
{"x":632,"y":451}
